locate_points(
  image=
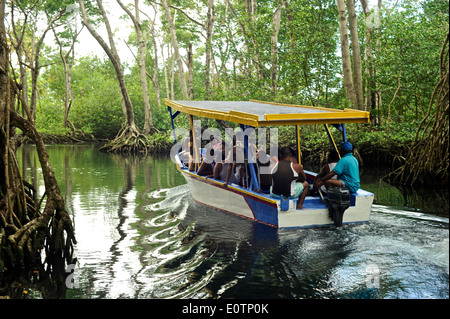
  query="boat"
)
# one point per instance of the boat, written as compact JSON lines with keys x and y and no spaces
{"x":249,"y":202}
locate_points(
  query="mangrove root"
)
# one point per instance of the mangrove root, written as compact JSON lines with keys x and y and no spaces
{"x":428,"y":159}
{"x":128,"y":141}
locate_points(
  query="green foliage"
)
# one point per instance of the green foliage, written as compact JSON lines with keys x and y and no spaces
{"x":50,"y":118}
{"x":407,"y":46}
{"x":97,"y":104}
{"x":410,"y":39}
{"x":160,"y":141}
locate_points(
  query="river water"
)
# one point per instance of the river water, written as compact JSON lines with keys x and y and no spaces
{"x":140,"y":235}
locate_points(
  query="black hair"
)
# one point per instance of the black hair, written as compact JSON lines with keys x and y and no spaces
{"x":285,"y":152}
{"x":333,"y":156}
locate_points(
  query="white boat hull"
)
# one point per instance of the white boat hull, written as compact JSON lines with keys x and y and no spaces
{"x":264,"y":209}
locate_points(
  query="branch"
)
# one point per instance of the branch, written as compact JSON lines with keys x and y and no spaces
{"x":109,"y":51}
{"x":135,"y":57}
{"x":187,"y":16}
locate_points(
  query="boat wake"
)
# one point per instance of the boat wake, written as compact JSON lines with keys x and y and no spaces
{"x":194,"y":251}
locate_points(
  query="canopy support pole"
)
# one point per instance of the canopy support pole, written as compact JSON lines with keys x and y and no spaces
{"x":331,"y":139}
{"x":298,"y":144}
{"x":194,"y":144}
{"x":344,"y":133}
{"x":253,"y":178}
{"x":172,"y":118}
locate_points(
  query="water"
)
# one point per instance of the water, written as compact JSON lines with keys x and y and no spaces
{"x":140,"y":235}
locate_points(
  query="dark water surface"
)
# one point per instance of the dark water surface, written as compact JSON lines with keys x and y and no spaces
{"x":140,"y":235}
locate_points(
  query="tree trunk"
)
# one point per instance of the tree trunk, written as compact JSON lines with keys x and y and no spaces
{"x":154,"y":78}
{"x":368,"y":57}
{"x":346,"y":61}
{"x":247,"y":57}
{"x":115,"y":60}
{"x":24,"y":230}
{"x":371,"y":95}
{"x":36,"y":66}
{"x":171,"y":72}
{"x":20,"y":50}
{"x":148,"y":121}
{"x":208,"y":46}
{"x":166,"y":76}
{"x":68,"y":94}
{"x":190,"y":72}
{"x":292,"y":46}
{"x":427,"y":162}
{"x":176,"y":49}
{"x":274,"y":40}
{"x":357,"y":64}
{"x":129,"y":139}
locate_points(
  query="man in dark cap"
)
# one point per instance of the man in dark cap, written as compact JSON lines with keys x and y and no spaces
{"x":347,"y":171}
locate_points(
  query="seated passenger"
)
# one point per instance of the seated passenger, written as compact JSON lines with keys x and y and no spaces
{"x":347,"y":171}
{"x":191,"y":166}
{"x":333,"y":158}
{"x":206,"y":166}
{"x":224,"y":170}
{"x":264,"y":166}
{"x":289,"y":179}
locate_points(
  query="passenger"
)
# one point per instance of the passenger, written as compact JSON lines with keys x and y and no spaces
{"x":240,"y":160}
{"x":294,"y":155}
{"x":333,"y":158}
{"x":264,"y":166}
{"x":185,"y":152}
{"x":346,"y":169}
{"x":241,"y":174}
{"x":206,"y":166}
{"x":224,"y":170}
{"x":216,"y":144}
{"x":191,"y":166}
{"x":289,"y":179}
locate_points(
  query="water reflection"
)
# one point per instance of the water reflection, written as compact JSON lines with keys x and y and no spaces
{"x":141,"y":235}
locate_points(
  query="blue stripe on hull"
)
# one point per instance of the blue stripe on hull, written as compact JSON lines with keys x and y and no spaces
{"x":264,"y":213}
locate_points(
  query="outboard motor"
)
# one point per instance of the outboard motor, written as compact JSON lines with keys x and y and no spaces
{"x":338,"y":201}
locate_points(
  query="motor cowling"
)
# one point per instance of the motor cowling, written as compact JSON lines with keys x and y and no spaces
{"x":338,"y":199}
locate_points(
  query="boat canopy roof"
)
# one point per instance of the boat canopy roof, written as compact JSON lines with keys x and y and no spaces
{"x":258,"y":113}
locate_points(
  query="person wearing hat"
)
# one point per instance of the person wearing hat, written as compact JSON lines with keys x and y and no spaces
{"x":346,"y":169}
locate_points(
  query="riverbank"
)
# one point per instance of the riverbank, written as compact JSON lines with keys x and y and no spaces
{"x":373,"y":145}
{"x":159,"y":142}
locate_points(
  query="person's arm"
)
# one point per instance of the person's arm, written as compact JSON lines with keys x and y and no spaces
{"x":335,"y":171}
{"x":217,"y":169}
{"x":301,"y":173}
{"x":325,"y":170}
{"x":322,"y":180}
{"x":191,"y":166}
{"x":229,"y":171}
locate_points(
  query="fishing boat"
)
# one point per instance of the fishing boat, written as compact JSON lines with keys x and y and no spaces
{"x":247,"y":200}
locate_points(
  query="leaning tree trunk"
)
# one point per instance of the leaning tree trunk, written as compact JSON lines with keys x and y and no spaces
{"x":129,"y":139}
{"x":24,"y":228}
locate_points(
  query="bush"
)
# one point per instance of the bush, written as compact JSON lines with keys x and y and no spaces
{"x":50,"y":118}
